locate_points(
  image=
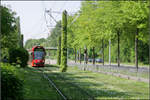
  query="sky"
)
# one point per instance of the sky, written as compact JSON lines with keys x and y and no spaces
{"x":32,"y":19}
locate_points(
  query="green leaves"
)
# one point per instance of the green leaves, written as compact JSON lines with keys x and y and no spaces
{"x":64,"y":42}
{"x":11,"y":82}
{"x":101,"y":20}
{"x":59,"y":51}
{"x":18,"y":56}
{"x":9,"y":34}
{"x":32,"y":42}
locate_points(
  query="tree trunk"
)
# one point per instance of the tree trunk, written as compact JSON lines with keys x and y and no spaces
{"x":136,"y":48}
{"x":86,"y":56}
{"x":109,"y":52}
{"x":118,"y":60}
{"x":75,"y":55}
{"x":103,"y":51}
{"x":93,"y":55}
{"x":80,"y":55}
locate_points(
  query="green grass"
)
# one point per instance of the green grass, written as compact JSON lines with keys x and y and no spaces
{"x":98,"y":85}
{"x":36,"y":87}
{"x":70,"y":90}
{"x":125,"y":72}
{"x":101,"y":86}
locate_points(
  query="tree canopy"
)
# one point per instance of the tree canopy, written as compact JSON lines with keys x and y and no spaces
{"x":9,"y":31}
{"x":101,"y":21}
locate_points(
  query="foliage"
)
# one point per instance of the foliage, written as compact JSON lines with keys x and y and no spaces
{"x":49,"y":42}
{"x":64,"y":42}
{"x":11,"y":84}
{"x":59,"y":51}
{"x":32,"y":42}
{"x":36,"y":87}
{"x":9,"y":34}
{"x":97,"y":85}
{"x":18,"y":56}
{"x":101,"y":20}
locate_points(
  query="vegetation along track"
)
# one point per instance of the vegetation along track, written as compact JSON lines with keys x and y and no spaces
{"x":67,"y":89}
{"x":53,"y":84}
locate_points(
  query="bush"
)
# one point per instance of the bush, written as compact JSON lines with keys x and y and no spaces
{"x":18,"y":56}
{"x":11,"y":84}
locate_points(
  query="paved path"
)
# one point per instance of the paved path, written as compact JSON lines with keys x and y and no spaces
{"x":122,"y":67}
{"x":110,"y":69}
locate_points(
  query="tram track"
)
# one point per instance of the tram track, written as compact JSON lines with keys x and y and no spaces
{"x":76,"y":86}
{"x":53,"y":84}
{"x":66,"y":81}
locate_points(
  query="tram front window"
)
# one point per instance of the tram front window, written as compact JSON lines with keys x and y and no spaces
{"x":38,"y":55}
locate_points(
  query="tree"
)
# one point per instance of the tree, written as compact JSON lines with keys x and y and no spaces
{"x":32,"y":42}
{"x":138,"y":22}
{"x":59,"y":51}
{"x":116,"y":20}
{"x":9,"y":37}
{"x":64,"y":42}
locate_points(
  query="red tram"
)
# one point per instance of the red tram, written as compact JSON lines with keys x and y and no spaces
{"x":37,"y":56}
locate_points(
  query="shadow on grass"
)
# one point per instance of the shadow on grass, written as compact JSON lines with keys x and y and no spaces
{"x":86,"y":86}
{"x":47,"y":65}
{"x":107,"y":93}
{"x":63,"y":81}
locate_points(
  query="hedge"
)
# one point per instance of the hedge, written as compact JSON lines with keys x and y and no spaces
{"x":11,"y":84}
{"x":18,"y":56}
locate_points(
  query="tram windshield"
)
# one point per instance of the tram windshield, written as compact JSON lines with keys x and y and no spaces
{"x":38,"y":55}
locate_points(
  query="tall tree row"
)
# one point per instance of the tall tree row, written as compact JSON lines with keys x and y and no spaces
{"x":124,"y":22}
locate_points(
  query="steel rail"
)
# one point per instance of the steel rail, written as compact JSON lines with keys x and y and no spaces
{"x":75,"y":85}
{"x":53,"y":84}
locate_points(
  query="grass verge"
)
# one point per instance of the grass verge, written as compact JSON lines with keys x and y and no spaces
{"x":36,"y":87}
{"x":98,"y":85}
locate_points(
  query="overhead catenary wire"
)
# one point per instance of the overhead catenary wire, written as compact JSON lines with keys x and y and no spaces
{"x":35,"y":25}
{"x":49,"y":27}
{"x":49,"y":12}
{"x":74,"y":20}
{"x":61,"y":8}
